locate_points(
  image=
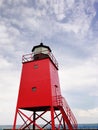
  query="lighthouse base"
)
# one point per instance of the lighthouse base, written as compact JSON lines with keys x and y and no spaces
{"x":57,"y":117}
{"x":51,"y":118}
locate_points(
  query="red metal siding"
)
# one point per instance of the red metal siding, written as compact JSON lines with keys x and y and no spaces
{"x":35,"y":74}
{"x":55,"y":85}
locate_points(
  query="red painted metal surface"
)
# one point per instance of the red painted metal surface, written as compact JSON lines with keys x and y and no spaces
{"x":35,"y":84}
{"x":39,"y":78}
{"x":39,"y":91}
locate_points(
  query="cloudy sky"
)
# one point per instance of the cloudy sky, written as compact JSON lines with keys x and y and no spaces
{"x":70,"y":28}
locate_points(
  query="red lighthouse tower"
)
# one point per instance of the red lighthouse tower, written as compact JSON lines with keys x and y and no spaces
{"x":40,"y":95}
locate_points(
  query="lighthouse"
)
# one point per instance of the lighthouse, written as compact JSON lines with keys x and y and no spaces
{"x":40,"y":94}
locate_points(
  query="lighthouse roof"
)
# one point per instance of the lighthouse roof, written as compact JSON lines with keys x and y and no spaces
{"x":41,"y":45}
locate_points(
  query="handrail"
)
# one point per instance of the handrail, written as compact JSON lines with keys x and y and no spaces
{"x":30,"y":57}
{"x":69,"y":113}
{"x":62,"y":102}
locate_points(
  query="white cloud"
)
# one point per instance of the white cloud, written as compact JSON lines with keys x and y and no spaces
{"x":86,"y":115}
{"x":79,"y":76}
{"x":9,"y":78}
{"x":70,"y":3}
{"x":37,"y":18}
{"x":4,"y":64}
{"x":70,"y":27}
{"x":4,"y":36}
{"x":8,"y":34}
{"x":1,"y":1}
{"x":94,"y":93}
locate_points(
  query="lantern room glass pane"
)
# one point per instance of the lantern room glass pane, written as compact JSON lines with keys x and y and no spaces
{"x":41,"y":50}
